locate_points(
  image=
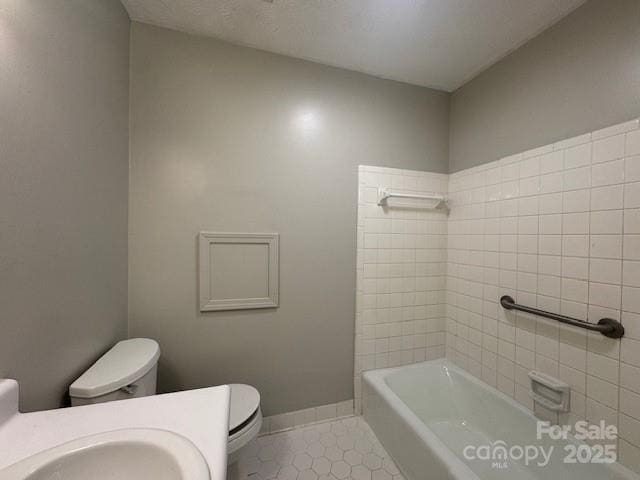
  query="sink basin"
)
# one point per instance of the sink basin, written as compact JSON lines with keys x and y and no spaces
{"x":129,"y":454}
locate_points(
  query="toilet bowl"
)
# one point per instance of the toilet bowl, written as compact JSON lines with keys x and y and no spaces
{"x":129,"y":370}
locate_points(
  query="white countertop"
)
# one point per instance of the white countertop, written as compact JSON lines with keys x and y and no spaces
{"x":201,"y":416}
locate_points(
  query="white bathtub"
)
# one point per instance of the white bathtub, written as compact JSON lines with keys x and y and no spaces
{"x":429,"y":415}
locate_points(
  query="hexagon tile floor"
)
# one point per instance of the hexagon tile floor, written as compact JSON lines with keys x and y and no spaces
{"x":343,"y":449}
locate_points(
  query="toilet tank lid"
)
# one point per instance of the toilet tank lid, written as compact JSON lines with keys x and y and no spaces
{"x":126,"y":362}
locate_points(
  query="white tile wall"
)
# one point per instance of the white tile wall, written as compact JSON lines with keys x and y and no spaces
{"x":557,"y":227}
{"x":401,"y":273}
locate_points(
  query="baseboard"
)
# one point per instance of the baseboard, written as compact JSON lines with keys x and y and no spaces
{"x":307,"y":416}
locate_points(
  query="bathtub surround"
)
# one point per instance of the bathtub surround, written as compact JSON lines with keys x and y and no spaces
{"x":400,"y":273}
{"x":557,"y":228}
{"x":579,"y":75}
{"x":232,"y":139}
{"x":63,"y":190}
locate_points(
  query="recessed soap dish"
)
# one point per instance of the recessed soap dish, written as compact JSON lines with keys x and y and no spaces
{"x":549,"y":392}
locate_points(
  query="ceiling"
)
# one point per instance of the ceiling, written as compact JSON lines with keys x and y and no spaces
{"x":434,"y":43}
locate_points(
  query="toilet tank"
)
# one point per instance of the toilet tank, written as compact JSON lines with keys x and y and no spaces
{"x":127,"y":370}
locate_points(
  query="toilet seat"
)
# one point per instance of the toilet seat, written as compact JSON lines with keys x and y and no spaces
{"x":245,"y":416}
{"x":243,"y":404}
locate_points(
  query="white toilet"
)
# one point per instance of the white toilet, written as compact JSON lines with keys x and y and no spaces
{"x":129,"y":370}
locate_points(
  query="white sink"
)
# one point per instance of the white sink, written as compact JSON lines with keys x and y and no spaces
{"x":129,"y":454}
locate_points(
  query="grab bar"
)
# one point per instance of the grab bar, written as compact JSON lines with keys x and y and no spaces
{"x":606,"y":326}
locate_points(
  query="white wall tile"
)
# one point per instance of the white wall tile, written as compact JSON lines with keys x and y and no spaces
{"x":531,"y":185}
{"x":602,"y":391}
{"x":609,"y":173}
{"x":575,"y":223}
{"x":610,"y":148}
{"x":578,"y":156}
{"x":605,"y":271}
{"x":606,"y":222}
{"x":630,"y":377}
{"x":550,"y":203}
{"x":605,"y":295}
{"x":575,"y":268}
{"x":530,"y":167}
{"x":577,"y":178}
{"x":551,"y":162}
{"x":629,"y":455}
{"x":630,"y":403}
{"x":606,"y":246}
{"x":632,"y":143}
{"x":551,"y":224}
{"x":603,"y":367}
{"x":631,"y":273}
{"x":631,"y":300}
{"x":607,"y":198}
{"x":552,"y":182}
{"x":575,"y":290}
{"x":631,"y":247}
{"x":632,"y":195}
{"x":629,"y":429}
{"x":632,"y":169}
{"x":630,"y":351}
{"x":575,"y":245}
{"x":632,"y":221}
{"x":577,"y":201}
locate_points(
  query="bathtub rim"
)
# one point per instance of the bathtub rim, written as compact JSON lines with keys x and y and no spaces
{"x":376,"y":379}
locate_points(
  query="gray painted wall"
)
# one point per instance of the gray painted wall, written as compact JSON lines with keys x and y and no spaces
{"x":580,"y":75}
{"x":63,"y":190}
{"x":226,"y":138}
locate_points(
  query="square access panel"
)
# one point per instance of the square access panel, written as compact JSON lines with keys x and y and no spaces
{"x":238,"y":271}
